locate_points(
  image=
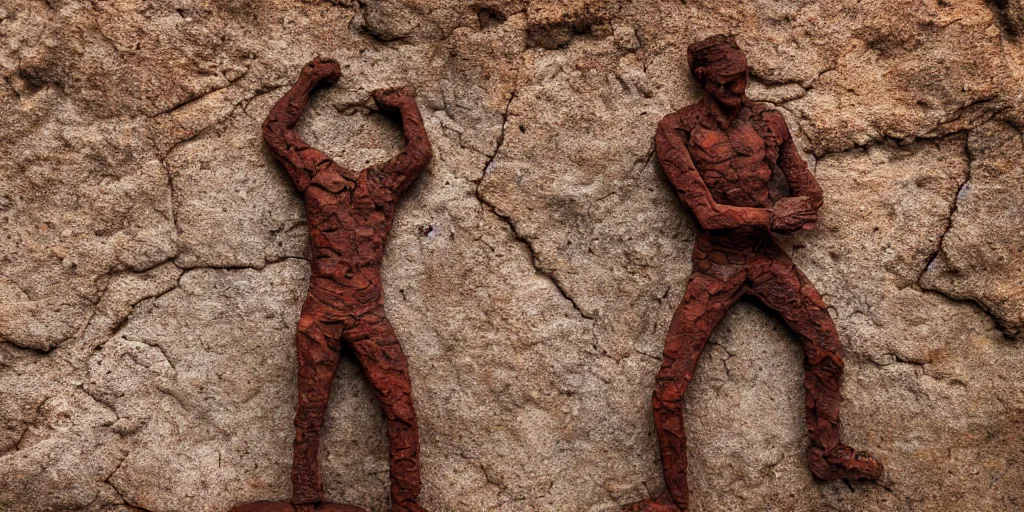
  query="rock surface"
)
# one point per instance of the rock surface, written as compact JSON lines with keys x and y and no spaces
{"x":152,"y":254}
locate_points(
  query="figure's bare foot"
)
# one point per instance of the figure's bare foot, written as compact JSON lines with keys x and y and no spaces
{"x":843,"y":462}
{"x":394,"y":98}
{"x":319,"y":69}
{"x":662,"y":503}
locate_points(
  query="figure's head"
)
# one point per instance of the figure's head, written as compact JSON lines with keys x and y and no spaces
{"x":720,"y":67}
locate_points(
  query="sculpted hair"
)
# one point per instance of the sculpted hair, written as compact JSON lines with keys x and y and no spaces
{"x":720,"y":47}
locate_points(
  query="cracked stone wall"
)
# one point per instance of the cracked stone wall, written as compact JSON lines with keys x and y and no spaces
{"x":152,"y":255}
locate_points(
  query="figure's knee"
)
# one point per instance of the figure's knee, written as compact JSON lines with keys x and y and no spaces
{"x":823,"y":369}
{"x":822,"y":347}
{"x":817,"y":332}
{"x":680,"y":355}
{"x":403,"y":410}
{"x":825,"y":364}
{"x":376,"y":347}
{"x":309,"y":416}
{"x":669,"y":388}
{"x":388,"y":373}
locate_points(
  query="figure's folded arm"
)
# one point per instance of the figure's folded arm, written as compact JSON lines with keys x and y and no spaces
{"x":801,"y":181}
{"x":691,"y":189}
{"x":298,"y":158}
{"x":399,"y":172}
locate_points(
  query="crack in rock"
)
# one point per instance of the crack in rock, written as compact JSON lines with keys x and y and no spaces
{"x":961,"y":191}
{"x":954,"y":204}
{"x":192,"y":99}
{"x":510,"y":222}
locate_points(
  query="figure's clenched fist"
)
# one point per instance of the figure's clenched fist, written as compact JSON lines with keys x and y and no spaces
{"x":322,"y":69}
{"x":790,"y":214}
{"x":394,"y":98}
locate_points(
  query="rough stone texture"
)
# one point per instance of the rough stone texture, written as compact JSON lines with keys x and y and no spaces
{"x":150,"y":286}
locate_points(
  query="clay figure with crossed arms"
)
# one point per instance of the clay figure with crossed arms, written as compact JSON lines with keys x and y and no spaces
{"x":720,"y":155}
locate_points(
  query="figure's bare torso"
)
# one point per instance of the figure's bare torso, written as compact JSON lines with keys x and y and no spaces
{"x":731,"y":160}
{"x":349,"y":220}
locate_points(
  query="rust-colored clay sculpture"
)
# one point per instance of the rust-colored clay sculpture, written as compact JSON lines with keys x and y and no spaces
{"x":720,"y":155}
{"x":349,"y":218}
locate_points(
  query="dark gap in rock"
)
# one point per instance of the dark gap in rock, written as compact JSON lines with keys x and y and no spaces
{"x":489,"y":17}
{"x":1009,"y":16}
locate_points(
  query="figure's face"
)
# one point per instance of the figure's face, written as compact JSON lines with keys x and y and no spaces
{"x":726,"y":90}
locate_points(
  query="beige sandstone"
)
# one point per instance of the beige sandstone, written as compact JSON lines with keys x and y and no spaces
{"x":152,"y":254}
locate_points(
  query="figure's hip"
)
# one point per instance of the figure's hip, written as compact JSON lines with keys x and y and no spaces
{"x":342,"y":298}
{"x":735,"y":246}
{"x":725,"y":255}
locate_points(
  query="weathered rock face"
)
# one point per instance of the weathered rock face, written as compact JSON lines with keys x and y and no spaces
{"x":152,"y":254}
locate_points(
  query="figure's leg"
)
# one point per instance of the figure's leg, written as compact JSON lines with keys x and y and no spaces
{"x":704,"y":304}
{"x":318,"y":359}
{"x":784,"y":288}
{"x":374,"y":343}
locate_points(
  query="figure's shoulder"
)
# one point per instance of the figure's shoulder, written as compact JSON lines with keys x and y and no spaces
{"x":769,"y":116}
{"x":684,"y":119}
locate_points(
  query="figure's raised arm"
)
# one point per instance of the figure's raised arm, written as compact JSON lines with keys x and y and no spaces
{"x":801,"y":181}
{"x":399,"y":172}
{"x":297,"y":157}
{"x":691,"y":189}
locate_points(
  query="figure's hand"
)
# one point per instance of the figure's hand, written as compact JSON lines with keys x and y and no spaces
{"x":322,"y":69}
{"x":791,"y":214}
{"x":395,"y":98}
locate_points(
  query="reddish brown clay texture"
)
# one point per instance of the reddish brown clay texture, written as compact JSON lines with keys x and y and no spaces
{"x":731,"y":162}
{"x":349,"y":217}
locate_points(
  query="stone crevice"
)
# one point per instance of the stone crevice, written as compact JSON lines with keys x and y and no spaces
{"x":28,"y":426}
{"x":118,"y":491}
{"x":242,"y":103}
{"x":534,"y":257}
{"x":953,"y":206}
{"x":10,"y":85}
{"x":512,"y":225}
{"x":192,"y":99}
{"x":964,"y":185}
{"x":640,"y":164}
{"x":100,"y":400}
{"x":935,"y":132}
{"x":112,"y":331}
{"x":1007,"y":331}
{"x":266,"y":262}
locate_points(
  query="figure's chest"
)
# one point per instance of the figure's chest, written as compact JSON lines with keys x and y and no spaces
{"x":732,"y":164}
{"x":740,"y":142}
{"x":347,"y":210}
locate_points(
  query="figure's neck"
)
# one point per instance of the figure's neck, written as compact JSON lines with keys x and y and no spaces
{"x":723,"y":114}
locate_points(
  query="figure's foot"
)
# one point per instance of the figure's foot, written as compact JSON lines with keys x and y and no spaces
{"x":284,"y":506}
{"x":843,"y":462}
{"x":662,"y":503}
